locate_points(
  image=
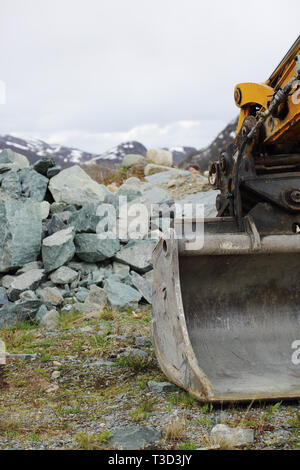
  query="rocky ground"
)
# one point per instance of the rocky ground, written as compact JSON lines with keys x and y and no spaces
{"x":93,"y":382}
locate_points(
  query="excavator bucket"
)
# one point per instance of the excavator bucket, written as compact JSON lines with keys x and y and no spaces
{"x":226,"y":317}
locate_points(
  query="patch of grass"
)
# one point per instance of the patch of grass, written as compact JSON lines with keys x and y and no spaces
{"x":67,"y":318}
{"x":136,"y":363}
{"x":271,"y":410}
{"x":182,"y":398}
{"x":188,"y":445}
{"x":9,"y":426}
{"x":45,"y":357}
{"x":108,"y":315}
{"x":92,"y":441}
{"x":34,"y":437}
{"x":175,"y":430}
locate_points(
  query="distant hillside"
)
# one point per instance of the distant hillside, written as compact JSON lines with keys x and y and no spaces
{"x":203,"y":157}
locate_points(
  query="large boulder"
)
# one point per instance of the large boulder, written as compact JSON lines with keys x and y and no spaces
{"x":58,"y":249}
{"x":160,"y":157}
{"x":132,"y":159}
{"x":33,"y":184}
{"x":74,"y":186}
{"x":29,"y":280}
{"x":121,"y":295}
{"x":11,"y":184}
{"x":91,"y":249}
{"x":86,"y":219}
{"x":13,"y":313}
{"x":137,"y":254}
{"x":8,"y":156}
{"x":20,"y":232}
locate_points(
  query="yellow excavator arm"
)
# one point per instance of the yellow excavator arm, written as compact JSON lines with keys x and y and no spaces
{"x":284,"y":125}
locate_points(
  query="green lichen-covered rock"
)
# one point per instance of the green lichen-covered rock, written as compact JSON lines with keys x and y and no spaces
{"x":92,"y":249}
{"x":121,"y":295}
{"x":20,"y":232}
{"x":11,"y":184}
{"x":137,"y":254}
{"x":58,"y":249}
{"x":33,"y":184}
{"x":86,"y":219}
{"x":42,"y":165}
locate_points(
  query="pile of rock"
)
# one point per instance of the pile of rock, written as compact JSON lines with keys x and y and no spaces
{"x":51,"y":255}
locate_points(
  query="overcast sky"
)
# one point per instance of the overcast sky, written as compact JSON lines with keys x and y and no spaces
{"x":93,"y":73}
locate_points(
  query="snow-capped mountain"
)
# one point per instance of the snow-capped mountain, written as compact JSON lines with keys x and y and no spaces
{"x":34,"y":149}
{"x":211,"y":153}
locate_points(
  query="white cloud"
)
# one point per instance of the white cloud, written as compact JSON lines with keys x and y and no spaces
{"x":190,"y":133}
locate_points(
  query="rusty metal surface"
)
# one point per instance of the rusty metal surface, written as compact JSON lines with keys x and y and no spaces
{"x":224,"y":325}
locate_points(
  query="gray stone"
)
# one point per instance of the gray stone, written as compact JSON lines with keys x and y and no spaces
{"x":157,"y":195}
{"x":86,"y":219}
{"x":121,"y":295}
{"x":132,"y":159}
{"x":50,"y":295}
{"x":45,"y":209}
{"x":131,"y":189}
{"x":23,"y":357}
{"x":53,"y":171}
{"x":160,"y":157}
{"x":122,"y":270}
{"x":207,"y":198}
{"x":3,"y":296}
{"x":96,"y":301}
{"x":137,"y":254}
{"x":42,"y":165}
{"x":33,"y":184}
{"x":50,"y":320}
{"x":140,"y":341}
{"x":135,"y":437}
{"x":82,"y":294}
{"x":134,"y":352}
{"x":27,"y":281}
{"x":41,"y":313}
{"x":92,"y":249}
{"x":14,"y":313}
{"x":28,"y":295}
{"x":11,"y":184}
{"x":8,"y":156}
{"x":29,"y":266}
{"x":7,"y":280}
{"x":63,"y":275}
{"x":20,"y":232}
{"x":142,"y":285}
{"x":57,"y":207}
{"x":55,"y":224}
{"x":82,"y":267}
{"x":165,"y":176}
{"x":232,"y":436}
{"x":58,"y":249}
{"x":74,"y":186}
{"x":161,"y":387}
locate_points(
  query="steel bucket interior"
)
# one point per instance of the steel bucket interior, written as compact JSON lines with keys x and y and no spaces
{"x":231,"y":322}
